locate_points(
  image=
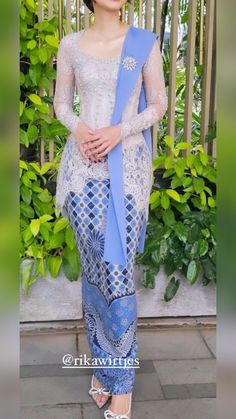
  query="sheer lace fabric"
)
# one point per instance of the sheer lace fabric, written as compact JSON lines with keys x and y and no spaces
{"x":95,"y":80}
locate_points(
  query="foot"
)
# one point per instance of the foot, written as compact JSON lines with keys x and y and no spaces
{"x":100,"y":399}
{"x":120,"y":405}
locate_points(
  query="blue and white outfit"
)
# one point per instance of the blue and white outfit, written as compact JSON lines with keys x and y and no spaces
{"x":106,"y":202}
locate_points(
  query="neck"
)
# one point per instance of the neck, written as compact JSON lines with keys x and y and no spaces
{"x":107,"y":22}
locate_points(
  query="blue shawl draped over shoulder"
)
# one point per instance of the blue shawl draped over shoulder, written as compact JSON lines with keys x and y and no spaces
{"x":137,"y":46}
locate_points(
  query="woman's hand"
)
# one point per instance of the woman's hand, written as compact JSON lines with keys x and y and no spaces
{"x":102,"y":140}
{"x":83,"y":135}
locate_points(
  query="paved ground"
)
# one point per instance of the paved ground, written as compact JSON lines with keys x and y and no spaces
{"x":176,"y":379}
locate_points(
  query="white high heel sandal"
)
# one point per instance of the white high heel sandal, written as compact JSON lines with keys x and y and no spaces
{"x":99,"y":390}
{"x":108,"y":414}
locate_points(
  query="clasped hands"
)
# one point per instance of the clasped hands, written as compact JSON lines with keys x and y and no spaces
{"x":95,"y":144}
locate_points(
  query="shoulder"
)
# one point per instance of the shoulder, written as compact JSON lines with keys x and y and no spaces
{"x":69,"y":40}
{"x":146,"y":33}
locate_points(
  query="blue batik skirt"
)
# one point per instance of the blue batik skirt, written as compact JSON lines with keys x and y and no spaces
{"x":108,"y":291}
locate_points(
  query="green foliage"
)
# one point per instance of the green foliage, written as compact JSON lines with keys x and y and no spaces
{"x":38,"y":47}
{"x":181,"y":227}
{"x":46,"y":240}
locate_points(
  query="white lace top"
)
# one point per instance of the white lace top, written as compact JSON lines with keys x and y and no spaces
{"x":95,"y":79}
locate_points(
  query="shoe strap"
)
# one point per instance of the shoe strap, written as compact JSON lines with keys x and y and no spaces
{"x":99,"y":390}
{"x":111,"y":415}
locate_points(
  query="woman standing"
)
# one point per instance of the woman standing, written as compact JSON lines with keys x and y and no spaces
{"x":92,"y":60}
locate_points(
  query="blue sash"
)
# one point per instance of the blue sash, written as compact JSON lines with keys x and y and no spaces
{"x":138,"y":44}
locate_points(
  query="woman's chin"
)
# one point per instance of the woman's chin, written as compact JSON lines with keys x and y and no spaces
{"x":113,"y":5}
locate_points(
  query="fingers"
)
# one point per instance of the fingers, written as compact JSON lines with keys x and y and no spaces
{"x":93,"y":144}
{"x":91,"y":138}
{"x":105,"y":152}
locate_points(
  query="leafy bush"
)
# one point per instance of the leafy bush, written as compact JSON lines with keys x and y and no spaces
{"x":38,"y":47}
{"x":46,"y":240}
{"x":181,"y":227}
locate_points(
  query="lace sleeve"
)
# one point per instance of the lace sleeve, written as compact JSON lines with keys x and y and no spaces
{"x":154,"y":85}
{"x":65,"y":87}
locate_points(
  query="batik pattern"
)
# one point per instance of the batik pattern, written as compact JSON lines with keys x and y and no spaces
{"x":108,"y":291}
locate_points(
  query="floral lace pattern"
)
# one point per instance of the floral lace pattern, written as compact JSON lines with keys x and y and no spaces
{"x":95,"y":80}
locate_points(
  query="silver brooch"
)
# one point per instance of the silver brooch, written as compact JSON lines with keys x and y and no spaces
{"x":129,"y":63}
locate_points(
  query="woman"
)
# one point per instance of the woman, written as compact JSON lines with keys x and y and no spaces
{"x":90,"y":60}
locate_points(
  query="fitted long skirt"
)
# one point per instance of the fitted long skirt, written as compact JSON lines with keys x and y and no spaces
{"x":108,"y":291}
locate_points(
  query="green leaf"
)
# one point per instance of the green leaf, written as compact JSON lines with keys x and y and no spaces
{"x":148,"y":278}
{"x":32,"y":132}
{"x":45,"y":231}
{"x":168,"y":217}
{"x":203,"y":198}
{"x":163,"y":249}
{"x":190,"y":160}
{"x":204,"y":158}
{"x":40,"y":268}
{"x":21,"y":108}
{"x":169,"y":162}
{"x":181,"y":231}
{"x":23,"y":165}
{"x":192,"y":272}
{"x":60,"y":224}
{"x":180,"y":167}
{"x":35,"y":167}
{"x":29,"y":113}
{"x":26,"y":272}
{"x":26,"y":194}
{"x":26,"y":210}
{"x":183,"y":146}
{"x":31,"y":44}
{"x":157,"y":162}
{"x":173,"y":194}
{"x":35,"y":99}
{"x":203,"y":247}
{"x":169,"y":141}
{"x":45,"y":196}
{"x":165,"y":202}
{"x":45,"y":217}
{"x":31,"y":4}
{"x":24,"y":138}
{"x":27,"y":234}
{"x":52,"y":41}
{"x":34,"y":226}
{"x":69,"y":238}
{"x":57,"y":240}
{"x":154,"y":196}
{"x":187,"y":181}
{"x":43,"y":56}
{"x":171,"y":289}
{"x":209,"y":269}
{"x":198,"y":184}
{"x":54,"y":265}
{"x":46,"y":167}
{"x":31,"y":175}
{"x":71,"y":263}
{"x":211,"y":202}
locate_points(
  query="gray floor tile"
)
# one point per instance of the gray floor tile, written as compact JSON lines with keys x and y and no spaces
{"x":172,"y":344}
{"x":90,"y":411}
{"x":54,"y":390}
{"x":174,"y":392}
{"x":175,"y":409}
{"x":209,"y":336}
{"x":186,"y":371}
{"x":53,"y":370}
{"x":204,"y":390}
{"x":41,"y":412}
{"x":147,"y":387}
{"x":46,"y":349}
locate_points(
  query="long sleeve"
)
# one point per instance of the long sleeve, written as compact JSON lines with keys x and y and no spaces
{"x":154,"y":85}
{"x":65,"y":87}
